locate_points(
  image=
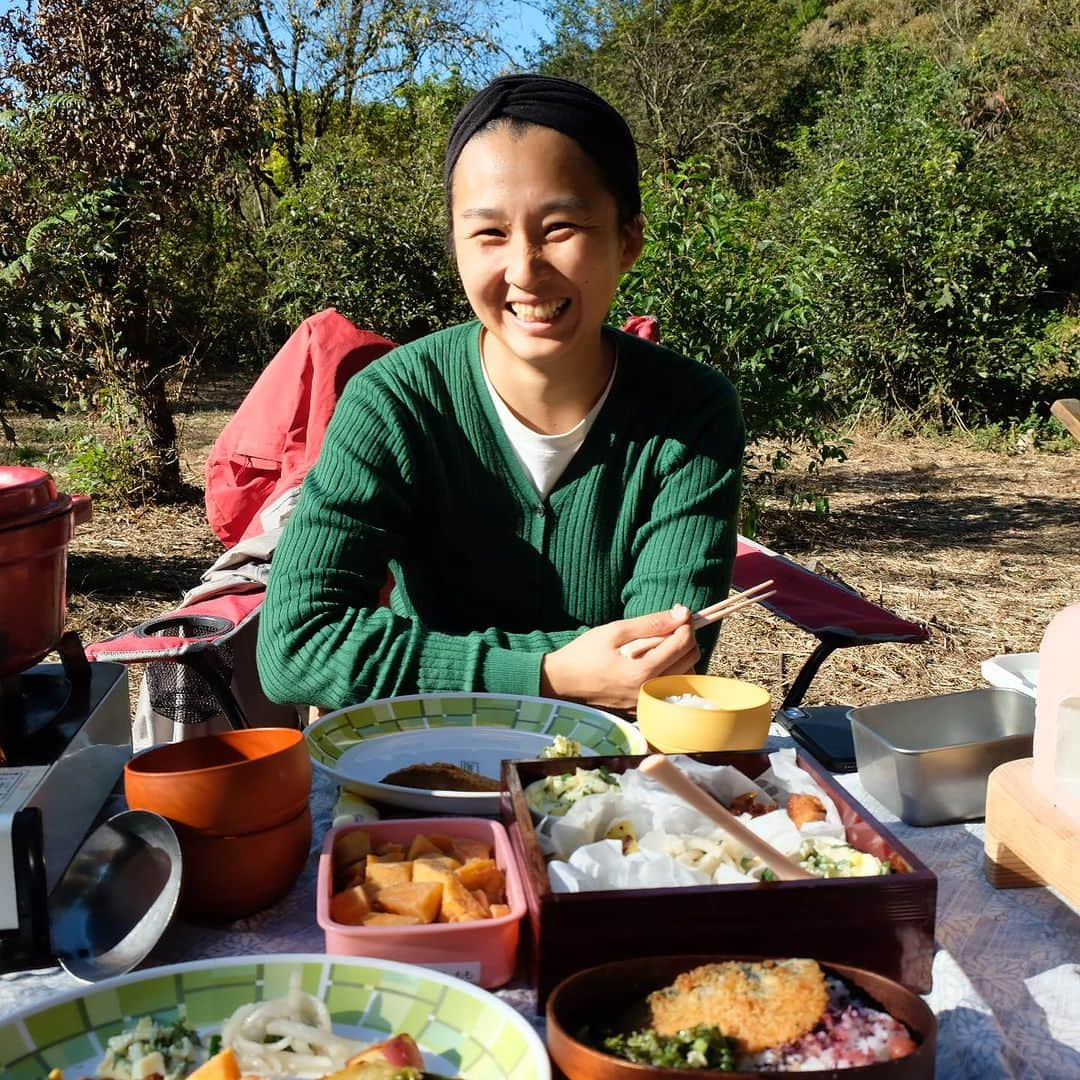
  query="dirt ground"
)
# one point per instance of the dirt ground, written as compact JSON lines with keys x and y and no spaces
{"x":976,"y":545}
{"x":980,"y":546}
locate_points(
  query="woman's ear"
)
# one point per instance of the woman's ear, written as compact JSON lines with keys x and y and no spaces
{"x":633,"y":241}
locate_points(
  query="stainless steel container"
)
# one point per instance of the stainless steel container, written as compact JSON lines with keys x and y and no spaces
{"x":928,"y":759}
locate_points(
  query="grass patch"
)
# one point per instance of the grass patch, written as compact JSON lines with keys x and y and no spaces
{"x":42,"y":443}
{"x":1045,"y":434}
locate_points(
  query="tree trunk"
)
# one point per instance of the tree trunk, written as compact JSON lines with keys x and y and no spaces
{"x":156,"y":414}
{"x":142,"y":373}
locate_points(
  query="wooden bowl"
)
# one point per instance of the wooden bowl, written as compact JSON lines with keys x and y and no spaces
{"x":739,"y":720}
{"x":590,"y":996}
{"x":228,"y":877}
{"x":226,"y":785}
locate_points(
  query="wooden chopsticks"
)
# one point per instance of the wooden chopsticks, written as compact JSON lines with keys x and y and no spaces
{"x":633,"y":650}
{"x":722,"y":608}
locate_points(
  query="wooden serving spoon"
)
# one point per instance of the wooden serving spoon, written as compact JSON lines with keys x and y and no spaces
{"x":662,"y":768}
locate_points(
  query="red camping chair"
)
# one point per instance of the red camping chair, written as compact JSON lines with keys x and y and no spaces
{"x":836,"y":616}
{"x":259,"y":461}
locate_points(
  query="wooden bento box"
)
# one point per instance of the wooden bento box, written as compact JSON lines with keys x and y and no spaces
{"x":883,"y":923}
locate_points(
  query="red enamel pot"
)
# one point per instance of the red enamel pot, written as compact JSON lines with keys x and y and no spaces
{"x":36,"y":525}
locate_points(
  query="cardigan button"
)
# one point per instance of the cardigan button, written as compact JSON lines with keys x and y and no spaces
{"x":540,"y":510}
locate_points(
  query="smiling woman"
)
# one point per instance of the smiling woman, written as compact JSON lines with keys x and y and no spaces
{"x":540,"y":250}
{"x":545,"y":489}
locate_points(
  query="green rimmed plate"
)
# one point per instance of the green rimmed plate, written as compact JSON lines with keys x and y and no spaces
{"x":357,"y":745}
{"x":463,"y":1030}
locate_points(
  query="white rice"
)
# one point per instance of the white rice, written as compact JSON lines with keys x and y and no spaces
{"x":693,"y":701}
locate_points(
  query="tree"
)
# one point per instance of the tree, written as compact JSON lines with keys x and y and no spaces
{"x":365,"y":231}
{"x":123,"y":124}
{"x":323,"y":58}
{"x":692,"y":76}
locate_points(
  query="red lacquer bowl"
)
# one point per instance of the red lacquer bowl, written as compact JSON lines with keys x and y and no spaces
{"x":584,"y":1001}
{"x":226,"y":785}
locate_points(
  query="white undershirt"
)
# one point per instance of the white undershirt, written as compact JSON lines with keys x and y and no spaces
{"x":544,"y":457}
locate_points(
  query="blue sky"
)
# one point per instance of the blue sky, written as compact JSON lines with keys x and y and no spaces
{"x":522,"y":27}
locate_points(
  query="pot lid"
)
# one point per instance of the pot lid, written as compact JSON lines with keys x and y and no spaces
{"x":28,"y":495}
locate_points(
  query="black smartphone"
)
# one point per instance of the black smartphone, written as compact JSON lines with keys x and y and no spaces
{"x":825,"y":731}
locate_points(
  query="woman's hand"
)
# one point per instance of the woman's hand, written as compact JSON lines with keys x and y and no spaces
{"x":594,"y":669}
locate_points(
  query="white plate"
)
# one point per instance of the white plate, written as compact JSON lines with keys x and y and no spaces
{"x":370,"y":761}
{"x":359,"y":745}
{"x":462,"y":1030}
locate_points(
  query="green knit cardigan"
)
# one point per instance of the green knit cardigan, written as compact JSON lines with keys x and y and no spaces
{"x":418,"y":477}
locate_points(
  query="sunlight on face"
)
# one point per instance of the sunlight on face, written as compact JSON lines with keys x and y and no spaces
{"x":538,"y":245}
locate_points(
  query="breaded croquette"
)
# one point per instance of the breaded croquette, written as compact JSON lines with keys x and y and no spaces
{"x":804,"y":808}
{"x":757,"y":1004}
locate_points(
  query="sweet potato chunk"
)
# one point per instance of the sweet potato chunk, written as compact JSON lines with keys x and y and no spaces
{"x":465,"y":848}
{"x":444,"y":843}
{"x":421,"y":845}
{"x":350,"y":906}
{"x":485,"y":905}
{"x":483,"y":874}
{"x":351,"y":847}
{"x":458,"y":904}
{"x":435,"y":874}
{"x":381,"y":874}
{"x":499,"y":910}
{"x":433,"y":867}
{"x":419,"y":898}
{"x":391,"y":851}
{"x":391,"y":918}
{"x":352,"y":875}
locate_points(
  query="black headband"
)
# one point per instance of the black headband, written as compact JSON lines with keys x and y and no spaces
{"x":566,"y":106}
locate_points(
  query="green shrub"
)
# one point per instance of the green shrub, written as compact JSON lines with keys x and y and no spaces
{"x":934,"y":256}
{"x":365,"y":231}
{"x":366,"y":238}
{"x":113,"y":471}
{"x":727,"y":294}
{"x":1023,"y":436}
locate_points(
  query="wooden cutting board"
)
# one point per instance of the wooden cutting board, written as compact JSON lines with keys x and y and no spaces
{"x":1029,"y":841}
{"x":1067,"y":410}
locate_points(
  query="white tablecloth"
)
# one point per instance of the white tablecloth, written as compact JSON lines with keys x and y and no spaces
{"x":1006,"y":974}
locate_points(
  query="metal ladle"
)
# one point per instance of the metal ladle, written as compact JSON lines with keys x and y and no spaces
{"x":116,"y":897}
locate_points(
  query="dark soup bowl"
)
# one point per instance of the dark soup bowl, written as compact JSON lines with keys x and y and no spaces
{"x":611,"y":998}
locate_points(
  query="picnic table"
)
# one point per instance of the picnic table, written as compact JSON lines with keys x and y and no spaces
{"x":1006,"y":987}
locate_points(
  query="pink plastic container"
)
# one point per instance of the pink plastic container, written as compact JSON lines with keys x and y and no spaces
{"x":483,"y":952}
